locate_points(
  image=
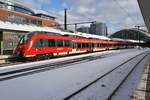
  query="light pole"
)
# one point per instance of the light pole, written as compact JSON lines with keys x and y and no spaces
{"x":75,"y":24}
{"x":65,"y":19}
{"x":138,"y":27}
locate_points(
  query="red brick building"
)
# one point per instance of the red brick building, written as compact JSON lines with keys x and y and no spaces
{"x":16,"y":20}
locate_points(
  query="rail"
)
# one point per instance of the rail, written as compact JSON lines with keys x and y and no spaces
{"x":99,"y":78}
{"x":36,"y":69}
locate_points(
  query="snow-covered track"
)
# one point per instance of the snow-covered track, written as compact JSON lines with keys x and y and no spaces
{"x":76,"y":95}
{"x":10,"y":64}
{"x":31,"y":69}
{"x":91,"y":79}
{"x":41,"y":68}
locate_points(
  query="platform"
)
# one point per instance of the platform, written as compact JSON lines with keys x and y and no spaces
{"x":4,"y":58}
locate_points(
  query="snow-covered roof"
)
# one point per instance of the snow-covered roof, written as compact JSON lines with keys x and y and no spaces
{"x":135,"y":41}
{"x":30,"y":28}
{"x":22,"y":27}
{"x":127,"y":40}
{"x":17,"y":4}
{"x":51,"y":14}
{"x":144,"y":32}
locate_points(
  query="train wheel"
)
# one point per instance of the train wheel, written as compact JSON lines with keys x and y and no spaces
{"x":50,"y":56}
{"x":43,"y":57}
{"x":37,"y":58}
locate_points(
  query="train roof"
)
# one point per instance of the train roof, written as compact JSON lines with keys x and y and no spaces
{"x":78,"y":34}
{"x":87,"y":35}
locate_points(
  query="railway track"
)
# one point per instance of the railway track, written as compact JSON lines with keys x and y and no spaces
{"x":14,"y":61}
{"x":82,"y":88}
{"x":10,"y":64}
{"x":45,"y":67}
{"x":116,"y":89}
{"x":106,"y":74}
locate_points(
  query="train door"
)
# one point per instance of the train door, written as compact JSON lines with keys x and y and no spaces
{"x":74,"y":46}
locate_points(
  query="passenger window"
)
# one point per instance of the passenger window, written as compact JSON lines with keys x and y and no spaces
{"x":51,"y":43}
{"x":59,"y":43}
{"x":96,"y":45}
{"x":74,"y":45}
{"x":84,"y":45}
{"x":79,"y":45}
{"x":92,"y":45}
{"x":67,"y":43}
{"x":38,"y":43}
{"x":87,"y":45}
{"x":45,"y":43}
{"x":99,"y":45}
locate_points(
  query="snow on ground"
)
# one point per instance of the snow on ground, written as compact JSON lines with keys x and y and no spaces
{"x":128,"y":88}
{"x":59,"y":83}
{"x":38,"y":63}
{"x":102,"y":89}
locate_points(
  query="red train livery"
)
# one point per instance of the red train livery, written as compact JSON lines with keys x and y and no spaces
{"x":45,"y":45}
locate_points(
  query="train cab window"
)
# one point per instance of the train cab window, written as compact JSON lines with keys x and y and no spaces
{"x":51,"y":43}
{"x":22,"y":40}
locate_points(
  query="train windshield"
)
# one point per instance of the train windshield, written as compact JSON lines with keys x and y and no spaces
{"x":25,"y":37}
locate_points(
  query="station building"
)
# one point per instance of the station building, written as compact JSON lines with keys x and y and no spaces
{"x":98,"y":28}
{"x":136,"y":35}
{"x":17,"y":20}
{"x":84,"y":29}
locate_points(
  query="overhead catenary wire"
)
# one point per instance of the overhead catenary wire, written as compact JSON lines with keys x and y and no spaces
{"x":76,"y":19}
{"x":125,"y":11}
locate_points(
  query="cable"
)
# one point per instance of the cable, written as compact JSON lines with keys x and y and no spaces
{"x":124,"y":10}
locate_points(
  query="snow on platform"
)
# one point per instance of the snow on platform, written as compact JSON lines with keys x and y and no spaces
{"x":60,"y":83}
{"x":102,"y":89}
{"x":38,"y":63}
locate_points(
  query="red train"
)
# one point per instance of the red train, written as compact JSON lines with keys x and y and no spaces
{"x":47,"y":44}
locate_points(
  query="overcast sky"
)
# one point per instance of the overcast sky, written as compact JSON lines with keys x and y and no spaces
{"x":117,"y":14}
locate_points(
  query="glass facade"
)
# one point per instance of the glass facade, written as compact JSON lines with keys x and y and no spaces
{"x":13,"y":17}
{"x":131,"y":34}
{"x":98,"y":28}
{"x":26,"y":16}
{"x":22,"y":20}
{"x":15,"y":7}
{"x":45,"y":16}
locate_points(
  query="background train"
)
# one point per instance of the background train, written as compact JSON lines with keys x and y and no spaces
{"x":44,"y":45}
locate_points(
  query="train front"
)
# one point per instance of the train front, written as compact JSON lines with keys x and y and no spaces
{"x":23,"y":46}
